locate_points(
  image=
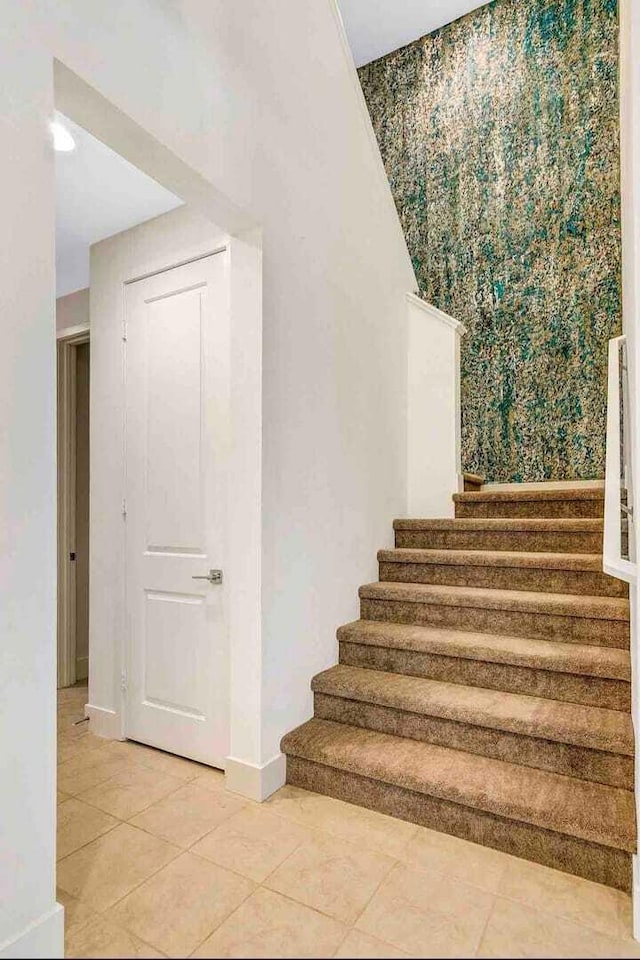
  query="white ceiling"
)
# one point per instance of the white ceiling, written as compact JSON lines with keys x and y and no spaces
{"x":376,"y":27}
{"x":98,"y":193}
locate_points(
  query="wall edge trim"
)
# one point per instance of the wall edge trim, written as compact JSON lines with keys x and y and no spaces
{"x":363,"y":110}
{"x":255,"y":781}
{"x":435,"y":314}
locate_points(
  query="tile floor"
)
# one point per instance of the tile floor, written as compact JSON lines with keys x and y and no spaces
{"x":157,"y":859}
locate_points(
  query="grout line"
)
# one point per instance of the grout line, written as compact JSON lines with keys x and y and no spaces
{"x":486,"y":924}
{"x":103,"y":912}
{"x":343,"y":940}
{"x":86,"y":844}
{"x":394,"y":863}
{"x":224,"y":920}
{"x":530,"y":905}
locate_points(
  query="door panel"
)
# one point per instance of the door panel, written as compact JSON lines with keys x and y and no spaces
{"x":177,"y":349}
{"x":173,"y":668}
{"x":175,"y":521}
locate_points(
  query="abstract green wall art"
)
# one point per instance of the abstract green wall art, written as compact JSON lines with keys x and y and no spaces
{"x":499,"y":134}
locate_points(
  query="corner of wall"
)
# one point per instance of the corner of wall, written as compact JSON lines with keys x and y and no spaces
{"x":255,"y":781}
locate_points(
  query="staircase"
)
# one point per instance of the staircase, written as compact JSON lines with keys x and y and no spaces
{"x":485,"y":691}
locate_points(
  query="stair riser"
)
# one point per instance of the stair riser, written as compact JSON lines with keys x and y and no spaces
{"x":532,"y":509}
{"x":532,"y":541}
{"x":592,"y":691}
{"x":515,"y":623}
{"x":472,"y":484}
{"x":582,"y":858}
{"x":585,"y":583}
{"x":566,"y":759}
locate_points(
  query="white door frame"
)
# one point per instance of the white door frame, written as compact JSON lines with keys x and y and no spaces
{"x":67,"y":341}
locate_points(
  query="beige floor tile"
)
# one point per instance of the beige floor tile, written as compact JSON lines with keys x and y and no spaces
{"x":253,"y":842}
{"x":369,"y":829}
{"x":69,"y":734}
{"x":131,"y":790}
{"x":86,"y":771}
{"x":124,"y":749}
{"x":78,"y":824}
{"x":270,"y":925}
{"x":99,"y":938}
{"x":75,"y":911}
{"x":480,"y":866}
{"x":79,"y":746}
{"x":77,"y":691}
{"x":188,"y":814}
{"x":182,"y":904}
{"x":168,"y":763}
{"x":68,"y":730}
{"x":111,"y":866}
{"x":427,"y":914}
{"x":571,"y":898}
{"x":210,"y":779}
{"x":361,"y":945}
{"x":73,"y":717}
{"x":77,"y":700}
{"x":158,"y":760}
{"x":72,"y":705}
{"x":516,"y":930}
{"x":331,"y":875}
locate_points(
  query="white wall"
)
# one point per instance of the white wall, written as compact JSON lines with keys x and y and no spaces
{"x":630,"y":197}
{"x":434,"y":469}
{"x":259,"y":98}
{"x":27,"y":498}
{"x":72,"y":310}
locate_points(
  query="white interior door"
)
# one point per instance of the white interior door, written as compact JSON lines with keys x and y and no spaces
{"x":177,"y":374}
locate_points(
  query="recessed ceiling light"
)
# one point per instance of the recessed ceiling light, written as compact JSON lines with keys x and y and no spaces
{"x":63,"y":142}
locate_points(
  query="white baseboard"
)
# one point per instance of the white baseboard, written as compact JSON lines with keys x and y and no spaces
{"x":254,"y":781}
{"x":42,"y":938}
{"x":103,"y":722}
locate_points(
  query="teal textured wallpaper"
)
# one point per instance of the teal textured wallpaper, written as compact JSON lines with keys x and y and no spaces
{"x":499,"y":134}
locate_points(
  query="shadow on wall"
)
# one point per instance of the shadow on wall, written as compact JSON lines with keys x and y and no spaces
{"x":499,"y":133}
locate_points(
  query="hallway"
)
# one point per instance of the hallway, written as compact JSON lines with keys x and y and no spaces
{"x":155,"y":859}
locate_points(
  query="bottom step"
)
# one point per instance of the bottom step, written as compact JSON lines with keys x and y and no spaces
{"x":582,"y":828}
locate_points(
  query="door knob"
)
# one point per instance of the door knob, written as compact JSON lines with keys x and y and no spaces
{"x":214,"y":576}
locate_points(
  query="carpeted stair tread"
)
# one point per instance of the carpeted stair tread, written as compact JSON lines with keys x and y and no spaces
{"x":506,"y":524}
{"x":587,"y":492}
{"x":581,"y":659}
{"x":591,"y":562}
{"x":554,"y":604}
{"x":593,"y":727}
{"x":578,"y":808}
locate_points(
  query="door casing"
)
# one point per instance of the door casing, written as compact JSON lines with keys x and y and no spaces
{"x":67,"y":342}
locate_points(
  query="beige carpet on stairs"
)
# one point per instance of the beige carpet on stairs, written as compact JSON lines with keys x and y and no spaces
{"x":485,"y":691}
